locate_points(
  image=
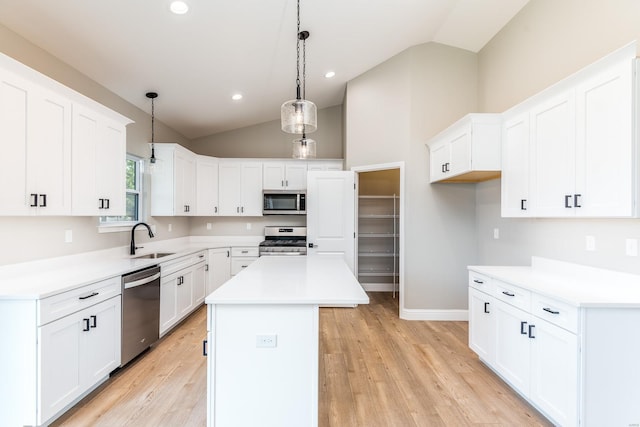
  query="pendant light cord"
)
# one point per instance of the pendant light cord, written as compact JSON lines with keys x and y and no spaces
{"x":298,"y":95}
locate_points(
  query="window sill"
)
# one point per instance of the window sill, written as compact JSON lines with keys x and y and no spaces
{"x":120,"y":227}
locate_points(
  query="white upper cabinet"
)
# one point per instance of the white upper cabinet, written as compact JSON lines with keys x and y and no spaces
{"x":98,"y":153}
{"x":284,"y":175}
{"x":570,"y":150}
{"x":48,"y":134}
{"x":173,"y":183}
{"x":240,"y":188}
{"x":324,"y":165}
{"x":467,"y":151}
{"x":207,"y":186}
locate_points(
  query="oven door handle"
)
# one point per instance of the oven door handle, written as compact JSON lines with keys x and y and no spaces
{"x":281,"y":253}
{"x":142,"y":281}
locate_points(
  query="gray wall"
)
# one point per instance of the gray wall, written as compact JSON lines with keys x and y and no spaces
{"x":547,"y":41}
{"x":391,"y":111}
{"x":29,"y":238}
{"x":266,"y":140}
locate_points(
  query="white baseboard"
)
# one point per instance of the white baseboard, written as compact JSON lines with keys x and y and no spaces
{"x":378,"y":287}
{"x":438,"y":315}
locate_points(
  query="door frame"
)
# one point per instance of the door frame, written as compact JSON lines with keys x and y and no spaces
{"x":401,"y":240}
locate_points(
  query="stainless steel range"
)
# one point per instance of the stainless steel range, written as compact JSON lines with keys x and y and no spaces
{"x":284,"y":241}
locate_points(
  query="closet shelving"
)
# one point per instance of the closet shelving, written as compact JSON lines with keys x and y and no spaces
{"x":378,"y":241}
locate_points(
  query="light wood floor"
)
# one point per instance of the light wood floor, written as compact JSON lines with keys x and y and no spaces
{"x":375,"y":370}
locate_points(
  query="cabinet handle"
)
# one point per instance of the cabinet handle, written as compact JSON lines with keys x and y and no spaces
{"x":100,"y":203}
{"x":242,"y":209}
{"x":238,"y":209}
{"x":34,"y":200}
{"x":548,"y":310}
{"x":576,"y":202}
{"x":522,"y":328}
{"x":86,"y":325}
{"x":286,"y":181}
{"x":566,"y":201}
{"x":480,"y":282}
{"x":446,"y":169}
{"x":531,"y":331}
{"x":282,"y":183}
{"x":206,"y":267}
{"x":94,"y":321}
{"x":227,"y":254}
{"x":43,"y":204}
{"x":244,"y":266}
{"x":244,"y":252}
{"x":486,"y":308}
{"x":92,"y":294}
{"x":215,"y":209}
{"x":442,"y":168}
{"x":509,"y":294}
{"x":107,"y":204}
{"x":523,"y":204}
{"x":204,"y":347}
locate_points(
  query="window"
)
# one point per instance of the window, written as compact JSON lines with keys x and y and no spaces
{"x":134,"y":204}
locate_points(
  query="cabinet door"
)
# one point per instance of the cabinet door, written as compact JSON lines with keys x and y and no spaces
{"x":512,"y":358}
{"x":273,"y":175}
{"x":460,"y":151}
{"x":199,"y":284}
{"x":219,"y":268}
{"x":207,"y":186}
{"x":251,"y":189}
{"x":229,"y":188}
{"x":604,"y":143}
{"x":439,"y":161}
{"x":184,"y":296}
{"x":14,"y":101}
{"x":240,"y":263}
{"x":554,"y":372}
{"x":482,"y":327}
{"x":296,"y":175}
{"x":85,"y":159}
{"x":101,"y":345}
{"x":110,"y":168}
{"x":59,"y":363}
{"x":168,"y":302}
{"x":185,"y":184}
{"x":515,"y":167}
{"x":553,"y":158}
{"x":49,"y":153}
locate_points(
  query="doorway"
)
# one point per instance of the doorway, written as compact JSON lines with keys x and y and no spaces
{"x":379,"y":228}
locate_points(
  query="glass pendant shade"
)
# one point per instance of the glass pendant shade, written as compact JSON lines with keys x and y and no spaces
{"x":304,"y":148}
{"x":299,"y":116}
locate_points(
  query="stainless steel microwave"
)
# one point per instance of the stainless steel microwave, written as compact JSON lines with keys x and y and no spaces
{"x":284,"y":202}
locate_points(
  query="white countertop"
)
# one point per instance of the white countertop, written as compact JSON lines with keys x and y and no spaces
{"x":43,"y":278}
{"x":575,"y":284}
{"x":292,"y":280}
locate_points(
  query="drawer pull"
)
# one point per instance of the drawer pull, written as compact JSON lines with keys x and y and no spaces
{"x":548,"y":310}
{"x":480,"y":282}
{"x":531,"y":331}
{"x":94,"y":321}
{"x":204,"y":347}
{"x":86,"y":325}
{"x":509,"y":294}
{"x":93,"y":294}
{"x":522,"y":328}
{"x":486,"y":308}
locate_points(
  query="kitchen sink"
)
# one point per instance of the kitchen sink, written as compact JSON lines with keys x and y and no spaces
{"x":154,"y":255}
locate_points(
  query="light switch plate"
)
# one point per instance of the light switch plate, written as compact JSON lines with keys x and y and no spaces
{"x":632,"y":247}
{"x":590,"y":243}
{"x":266,"y":341}
{"x":68,"y":236}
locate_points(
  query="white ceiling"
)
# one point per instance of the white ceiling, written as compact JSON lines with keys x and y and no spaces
{"x":198,"y":60}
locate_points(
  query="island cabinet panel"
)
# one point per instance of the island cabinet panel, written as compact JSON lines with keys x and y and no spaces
{"x":570,"y":348}
{"x":265,"y":368}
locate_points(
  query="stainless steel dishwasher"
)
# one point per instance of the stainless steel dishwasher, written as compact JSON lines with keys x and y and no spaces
{"x":140,"y":312}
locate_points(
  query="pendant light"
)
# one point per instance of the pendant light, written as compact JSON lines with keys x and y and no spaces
{"x":304,"y":148}
{"x":299,"y":116}
{"x":153,"y":161}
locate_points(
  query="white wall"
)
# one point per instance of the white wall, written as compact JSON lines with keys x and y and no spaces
{"x":547,"y":41}
{"x":390,"y":113}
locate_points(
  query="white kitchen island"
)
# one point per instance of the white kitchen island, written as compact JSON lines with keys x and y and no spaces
{"x":263,"y":339}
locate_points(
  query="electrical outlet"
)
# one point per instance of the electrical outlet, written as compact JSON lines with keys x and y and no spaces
{"x":208,"y":226}
{"x":248,"y":226}
{"x":590,"y":243}
{"x":266,"y":341}
{"x":169,"y":228}
{"x":632,"y":247}
{"x":68,"y":236}
{"x":496,"y":233}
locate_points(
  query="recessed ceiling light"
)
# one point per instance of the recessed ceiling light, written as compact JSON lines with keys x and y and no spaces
{"x":237,"y":97}
{"x":179,"y":7}
{"x":330,"y":74}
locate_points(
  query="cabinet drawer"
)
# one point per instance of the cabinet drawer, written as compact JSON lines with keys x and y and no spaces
{"x":481,"y":282}
{"x":241,"y":251}
{"x":58,"y":306}
{"x":239,"y":264}
{"x":513,"y":295}
{"x":556,"y":312}
{"x":178,"y":264}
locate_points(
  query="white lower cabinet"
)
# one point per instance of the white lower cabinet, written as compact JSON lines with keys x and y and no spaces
{"x":182,"y":288}
{"x":242,"y":257}
{"x":219,"y":268}
{"x":75,"y":353}
{"x":482,"y":320}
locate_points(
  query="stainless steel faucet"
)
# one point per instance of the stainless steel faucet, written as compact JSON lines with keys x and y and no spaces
{"x":132,"y":251}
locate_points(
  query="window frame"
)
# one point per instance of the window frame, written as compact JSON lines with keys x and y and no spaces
{"x":106,"y":225}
